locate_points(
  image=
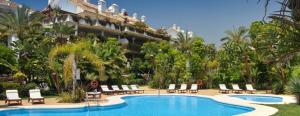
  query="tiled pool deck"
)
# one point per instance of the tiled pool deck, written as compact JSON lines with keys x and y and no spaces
{"x":260,"y":110}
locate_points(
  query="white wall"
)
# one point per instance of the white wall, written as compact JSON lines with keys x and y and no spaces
{"x":66,"y":5}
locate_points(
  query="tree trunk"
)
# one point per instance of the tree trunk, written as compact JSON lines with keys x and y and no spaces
{"x":74,"y":68}
{"x":56,"y":82}
{"x":282,"y":74}
{"x":298,"y":99}
{"x":188,"y":65}
{"x":247,"y":69}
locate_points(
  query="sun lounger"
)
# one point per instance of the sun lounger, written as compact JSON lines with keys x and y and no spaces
{"x":35,"y":95}
{"x":94,"y":94}
{"x":183,"y":88}
{"x":12,"y":95}
{"x":223,"y":88}
{"x":194,"y":88}
{"x":117,"y":89}
{"x":171,"y":88}
{"x":125,"y":88}
{"x":249,"y":88}
{"x":236,"y":88}
{"x":136,"y":89}
{"x":106,"y":90}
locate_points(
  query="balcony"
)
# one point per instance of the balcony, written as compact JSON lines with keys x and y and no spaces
{"x":139,"y":34}
{"x":114,"y":28}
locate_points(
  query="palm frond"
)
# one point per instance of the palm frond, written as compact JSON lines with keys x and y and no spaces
{"x":67,"y":69}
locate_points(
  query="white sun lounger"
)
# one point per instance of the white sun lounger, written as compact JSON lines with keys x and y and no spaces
{"x":171,"y":88}
{"x":106,"y":90}
{"x":12,"y":95}
{"x":183,"y":88}
{"x":236,"y":88}
{"x":250,"y":88}
{"x":35,"y":95}
{"x":117,"y":89}
{"x":194,"y":88}
{"x":136,"y":89}
{"x":223,"y":88}
{"x":125,"y":88}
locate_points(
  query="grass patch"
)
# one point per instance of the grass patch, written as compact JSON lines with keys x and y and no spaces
{"x":287,"y":109}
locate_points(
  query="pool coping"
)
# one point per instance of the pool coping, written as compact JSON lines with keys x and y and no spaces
{"x":259,"y":110}
{"x":285,"y":98}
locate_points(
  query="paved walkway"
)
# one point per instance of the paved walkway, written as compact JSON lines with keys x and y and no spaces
{"x":54,"y":101}
{"x":260,"y":110}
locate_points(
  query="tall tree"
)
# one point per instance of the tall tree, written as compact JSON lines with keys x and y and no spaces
{"x":19,"y":22}
{"x":183,"y":43}
{"x":74,"y":52}
{"x":237,"y":48}
{"x":238,"y":35}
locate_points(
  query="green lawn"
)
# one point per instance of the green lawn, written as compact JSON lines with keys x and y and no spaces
{"x":287,"y":110}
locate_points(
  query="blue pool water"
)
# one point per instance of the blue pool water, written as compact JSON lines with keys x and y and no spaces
{"x":145,"y":106}
{"x":258,"y":98}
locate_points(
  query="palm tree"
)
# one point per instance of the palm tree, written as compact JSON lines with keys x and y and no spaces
{"x":19,"y":22}
{"x":237,"y":35}
{"x":237,"y":40}
{"x":7,"y":59}
{"x":74,"y":51}
{"x":62,"y":31}
{"x":184,"y":43}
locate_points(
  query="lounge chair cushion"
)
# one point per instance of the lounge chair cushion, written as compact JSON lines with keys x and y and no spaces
{"x":35,"y":94}
{"x":235,"y":87}
{"x":171,"y":86}
{"x":134,"y":87}
{"x":115,"y":87}
{"x":12,"y":95}
{"x":194,"y":87}
{"x":249,"y":87}
{"x":125,"y":87}
{"x":105,"y":88}
{"x":183,"y":87}
{"x":223,"y":87}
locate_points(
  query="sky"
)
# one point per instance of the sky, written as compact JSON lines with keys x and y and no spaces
{"x":206,"y":18}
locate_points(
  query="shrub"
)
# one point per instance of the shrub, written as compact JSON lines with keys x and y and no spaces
{"x":1,"y":88}
{"x":19,"y":76}
{"x":67,"y":97}
{"x":153,"y":84}
{"x":6,"y":86}
{"x":133,"y":79}
{"x":10,"y":85}
{"x":141,"y":25}
{"x":278,"y":88}
{"x":294,"y":88}
{"x":8,"y":59}
{"x":24,"y":90}
{"x":48,"y":92}
{"x":162,"y":31}
{"x":79,"y":94}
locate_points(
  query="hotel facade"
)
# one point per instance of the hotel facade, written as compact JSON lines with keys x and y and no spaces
{"x":103,"y":21}
{"x":107,"y":21}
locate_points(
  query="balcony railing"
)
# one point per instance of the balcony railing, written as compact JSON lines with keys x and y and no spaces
{"x":112,"y":27}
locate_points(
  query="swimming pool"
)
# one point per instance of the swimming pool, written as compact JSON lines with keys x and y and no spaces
{"x":145,"y":106}
{"x":259,"y":98}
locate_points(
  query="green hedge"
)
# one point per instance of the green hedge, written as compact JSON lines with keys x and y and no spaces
{"x":23,"y":89}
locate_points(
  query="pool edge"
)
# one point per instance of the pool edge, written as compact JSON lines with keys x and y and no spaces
{"x":259,"y":110}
